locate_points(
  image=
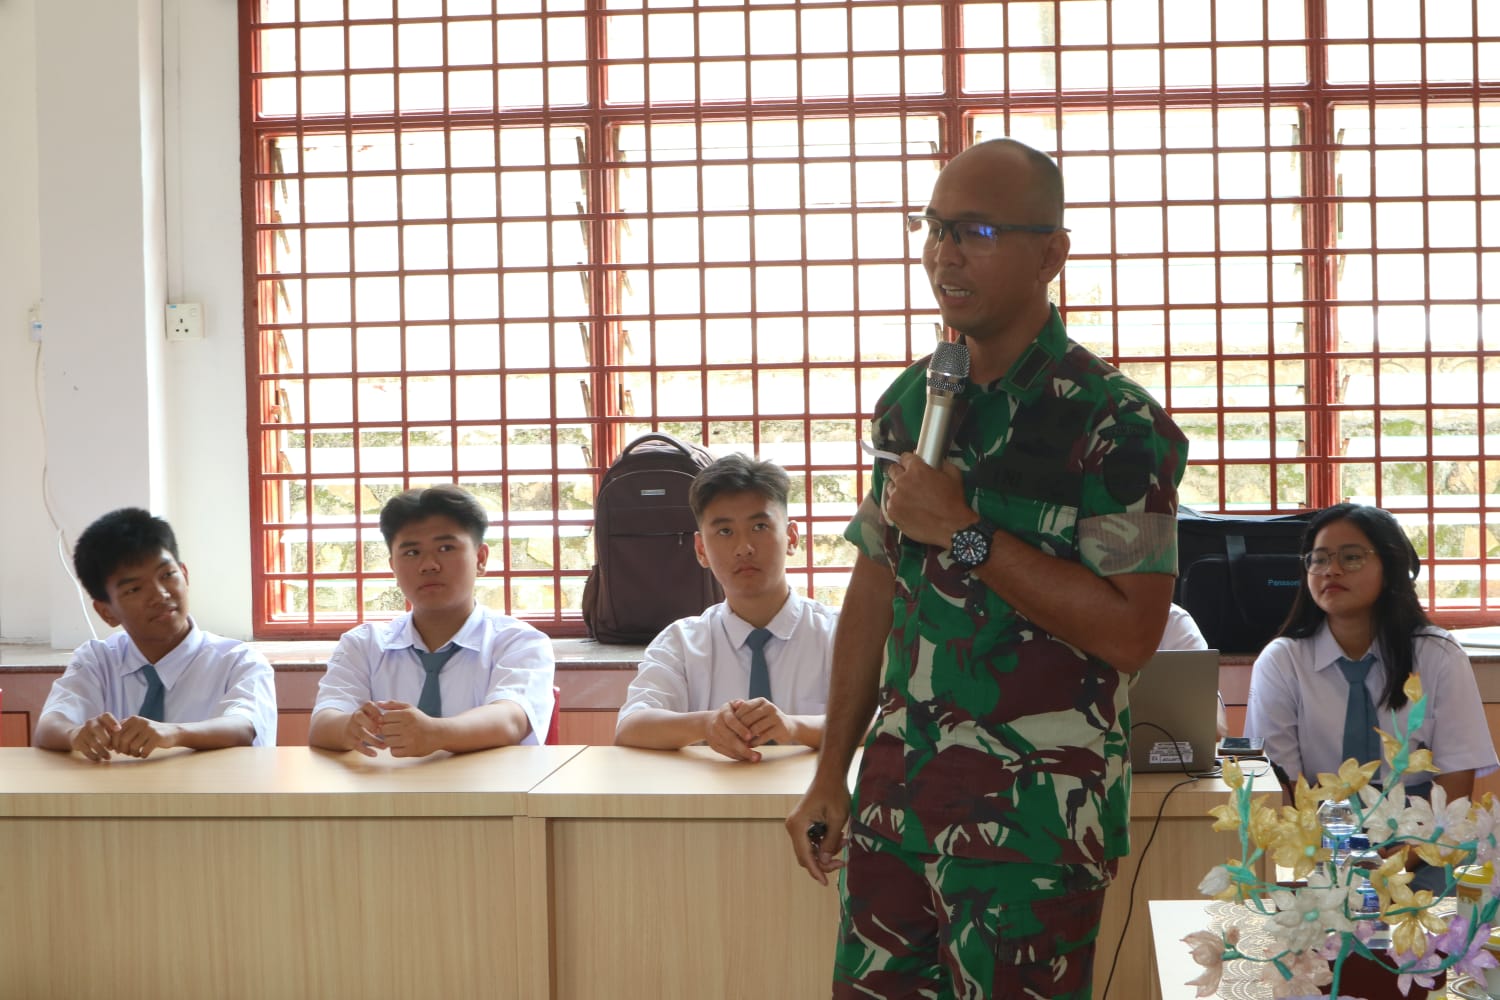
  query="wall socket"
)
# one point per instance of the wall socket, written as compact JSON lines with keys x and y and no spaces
{"x":184,"y":321}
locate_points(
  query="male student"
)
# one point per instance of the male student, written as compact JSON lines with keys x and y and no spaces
{"x":162,"y":682}
{"x":450,"y":674}
{"x":753,"y":669}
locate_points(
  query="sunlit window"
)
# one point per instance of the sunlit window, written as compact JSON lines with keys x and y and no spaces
{"x":493,"y":240}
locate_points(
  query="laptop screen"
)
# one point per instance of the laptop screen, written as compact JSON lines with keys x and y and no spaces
{"x":1173,"y":717}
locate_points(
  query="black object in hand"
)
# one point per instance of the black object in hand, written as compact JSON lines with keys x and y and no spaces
{"x":816,"y":831}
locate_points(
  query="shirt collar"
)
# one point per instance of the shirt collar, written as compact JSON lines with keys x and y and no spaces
{"x":781,"y":626}
{"x":1327,"y":651}
{"x":171,"y":666}
{"x":1041,"y":356}
{"x":402,"y":633}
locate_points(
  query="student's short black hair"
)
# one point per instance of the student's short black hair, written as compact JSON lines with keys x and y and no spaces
{"x":737,"y":474}
{"x":119,"y":538}
{"x":444,"y":500}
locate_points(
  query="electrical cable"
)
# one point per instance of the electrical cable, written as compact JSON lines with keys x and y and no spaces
{"x":64,"y":548}
{"x":1191,"y":776}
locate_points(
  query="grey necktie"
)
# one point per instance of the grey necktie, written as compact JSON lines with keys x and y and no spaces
{"x":154,"y":705}
{"x":1360,"y":739}
{"x":431,"y":701}
{"x":760,"y":673}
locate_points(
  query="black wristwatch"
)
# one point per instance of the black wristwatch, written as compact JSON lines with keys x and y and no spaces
{"x":971,"y":546}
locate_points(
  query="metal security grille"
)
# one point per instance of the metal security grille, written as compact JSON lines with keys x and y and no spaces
{"x":490,"y":241}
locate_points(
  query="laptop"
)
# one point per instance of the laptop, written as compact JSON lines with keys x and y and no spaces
{"x":1173,"y":718}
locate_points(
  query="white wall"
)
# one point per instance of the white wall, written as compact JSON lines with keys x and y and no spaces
{"x":124,"y":182}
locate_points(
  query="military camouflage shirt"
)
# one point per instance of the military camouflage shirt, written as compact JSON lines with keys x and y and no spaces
{"x":995,"y":739}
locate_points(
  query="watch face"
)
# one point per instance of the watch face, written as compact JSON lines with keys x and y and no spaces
{"x":970,"y":547}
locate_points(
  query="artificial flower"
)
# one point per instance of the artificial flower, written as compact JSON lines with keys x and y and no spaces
{"x":1216,"y":881}
{"x":1305,"y":973}
{"x":1304,"y":918}
{"x":1210,"y":950}
{"x":1298,"y":840}
{"x":1413,"y":969}
{"x":1351,"y":777}
{"x":1410,"y":918}
{"x":1382,"y":810}
{"x":1472,"y":958}
{"x":1390,"y":877}
{"x":1447,"y":827}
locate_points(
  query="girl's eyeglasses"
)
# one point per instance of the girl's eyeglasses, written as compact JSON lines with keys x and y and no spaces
{"x":1351,"y":559}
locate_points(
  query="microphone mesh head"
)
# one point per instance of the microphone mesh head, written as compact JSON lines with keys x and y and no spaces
{"x":949,"y":363}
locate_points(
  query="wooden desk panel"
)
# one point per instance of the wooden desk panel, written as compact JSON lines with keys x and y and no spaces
{"x":671,"y":876}
{"x":263,"y":873}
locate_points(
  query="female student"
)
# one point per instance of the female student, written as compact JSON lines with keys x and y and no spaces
{"x":1355,"y":633}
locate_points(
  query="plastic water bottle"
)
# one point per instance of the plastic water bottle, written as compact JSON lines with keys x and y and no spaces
{"x":1337,"y":821}
{"x":1362,"y":857}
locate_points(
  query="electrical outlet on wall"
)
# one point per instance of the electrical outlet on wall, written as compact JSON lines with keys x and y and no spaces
{"x":184,"y":321}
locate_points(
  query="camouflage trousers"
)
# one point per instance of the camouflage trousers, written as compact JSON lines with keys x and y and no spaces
{"x":941,"y":927}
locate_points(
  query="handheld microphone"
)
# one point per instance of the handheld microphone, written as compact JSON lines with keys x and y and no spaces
{"x":947,"y":373}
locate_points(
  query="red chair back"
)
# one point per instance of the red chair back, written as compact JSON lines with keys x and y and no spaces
{"x":552,"y":739}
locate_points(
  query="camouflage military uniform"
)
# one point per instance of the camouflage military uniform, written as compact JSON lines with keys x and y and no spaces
{"x":997,"y":766}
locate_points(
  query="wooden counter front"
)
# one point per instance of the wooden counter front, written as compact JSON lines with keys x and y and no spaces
{"x":672,"y":877}
{"x":269,"y":872}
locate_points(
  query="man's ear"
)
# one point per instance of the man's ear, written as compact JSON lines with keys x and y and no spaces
{"x":105,"y":612}
{"x":698,"y":548}
{"x":1055,"y":256}
{"x":484,"y":556}
{"x":182,"y":567}
{"x":791,"y":536}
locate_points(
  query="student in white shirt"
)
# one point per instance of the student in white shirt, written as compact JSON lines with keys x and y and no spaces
{"x":161,"y":682}
{"x":695,"y":682}
{"x":1358,"y":599}
{"x":1183,"y":633}
{"x":450,"y":674}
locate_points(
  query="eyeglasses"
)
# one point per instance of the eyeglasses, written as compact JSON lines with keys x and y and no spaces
{"x":1351,"y":559}
{"x":977,"y":238}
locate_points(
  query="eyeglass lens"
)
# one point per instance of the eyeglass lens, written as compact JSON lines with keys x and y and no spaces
{"x":1350,"y":557}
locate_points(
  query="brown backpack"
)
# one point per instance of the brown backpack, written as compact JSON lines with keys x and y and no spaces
{"x":646,"y":573}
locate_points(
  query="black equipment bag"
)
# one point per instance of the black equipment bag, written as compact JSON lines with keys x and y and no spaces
{"x":646,"y":573}
{"x":1237,"y":574}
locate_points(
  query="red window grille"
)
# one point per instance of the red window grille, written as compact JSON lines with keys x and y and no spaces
{"x":489,"y":241}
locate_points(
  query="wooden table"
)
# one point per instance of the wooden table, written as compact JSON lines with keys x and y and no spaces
{"x":530,"y":872}
{"x":263,"y":872}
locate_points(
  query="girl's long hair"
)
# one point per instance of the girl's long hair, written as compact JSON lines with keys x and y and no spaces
{"x":1397,"y":614}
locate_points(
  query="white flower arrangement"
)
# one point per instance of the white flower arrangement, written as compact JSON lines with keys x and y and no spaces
{"x":1325,"y":921}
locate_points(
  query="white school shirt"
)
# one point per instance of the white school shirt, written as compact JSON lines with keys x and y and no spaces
{"x":1298,"y":697}
{"x":700,"y":663}
{"x":499,"y":659}
{"x":206,"y":677}
{"x":1181,"y":631}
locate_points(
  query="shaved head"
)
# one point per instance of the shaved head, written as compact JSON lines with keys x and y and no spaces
{"x":1043,"y":184}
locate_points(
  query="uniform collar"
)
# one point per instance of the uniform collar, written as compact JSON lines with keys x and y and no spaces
{"x":1327,"y":652}
{"x":1029,"y":371}
{"x":781,"y":626}
{"x":175,"y":663}
{"x":403,"y":633}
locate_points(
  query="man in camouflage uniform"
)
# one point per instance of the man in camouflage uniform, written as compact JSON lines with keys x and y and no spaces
{"x":1006,"y":595}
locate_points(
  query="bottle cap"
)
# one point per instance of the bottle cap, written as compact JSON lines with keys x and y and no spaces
{"x":1359,"y":842}
{"x":1476,"y":874}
